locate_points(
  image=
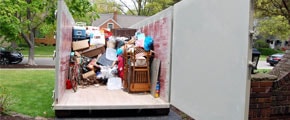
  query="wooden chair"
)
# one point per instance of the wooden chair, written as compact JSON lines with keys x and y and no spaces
{"x":139,"y":75}
{"x":126,"y":67}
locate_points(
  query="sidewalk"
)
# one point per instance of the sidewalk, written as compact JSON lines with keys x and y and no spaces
{"x":264,"y":65}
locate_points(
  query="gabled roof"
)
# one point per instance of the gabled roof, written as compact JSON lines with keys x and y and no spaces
{"x":124,"y":21}
{"x":112,"y":20}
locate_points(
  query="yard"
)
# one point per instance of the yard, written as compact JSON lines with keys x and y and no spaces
{"x":40,"y":51}
{"x":30,"y":89}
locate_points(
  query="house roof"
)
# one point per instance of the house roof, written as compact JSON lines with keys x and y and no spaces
{"x":124,"y":21}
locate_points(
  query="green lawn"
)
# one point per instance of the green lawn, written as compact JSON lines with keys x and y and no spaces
{"x":263,"y":70}
{"x":44,"y":51}
{"x":263,"y":58}
{"x":32,"y":89}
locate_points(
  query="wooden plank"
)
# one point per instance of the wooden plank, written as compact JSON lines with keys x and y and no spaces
{"x":100,"y":98}
{"x":155,"y":66}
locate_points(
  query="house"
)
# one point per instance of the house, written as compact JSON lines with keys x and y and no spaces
{"x":117,"y":23}
{"x":277,"y":44}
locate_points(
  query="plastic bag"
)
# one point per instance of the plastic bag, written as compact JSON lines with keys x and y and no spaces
{"x":148,"y":43}
{"x":140,"y":40}
{"x":114,"y":83}
{"x":68,"y":84}
{"x":111,"y":54}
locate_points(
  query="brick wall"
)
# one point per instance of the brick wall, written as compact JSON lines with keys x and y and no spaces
{"x":260,"y":98}
{"x":270,"y":98}
{"x":281,"y":97}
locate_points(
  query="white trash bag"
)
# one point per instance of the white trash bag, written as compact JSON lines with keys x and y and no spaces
{"x":114,"y":83}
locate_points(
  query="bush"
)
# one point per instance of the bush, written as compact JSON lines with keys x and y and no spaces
{"x":6,"y":100}
{"x":22,"y":45}
{"x":261,"y":44}
{"x":268,"y":51}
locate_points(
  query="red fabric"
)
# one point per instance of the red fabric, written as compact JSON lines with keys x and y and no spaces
{"x":121,"y":67}
{"x":68,"y":84}
{"x":107,"y":33}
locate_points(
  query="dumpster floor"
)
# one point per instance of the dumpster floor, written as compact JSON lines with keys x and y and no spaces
{"x":100,"y":98}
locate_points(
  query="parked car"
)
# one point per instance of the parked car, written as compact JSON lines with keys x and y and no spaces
{"x":10,"y":57}
{"x":275,"y":58}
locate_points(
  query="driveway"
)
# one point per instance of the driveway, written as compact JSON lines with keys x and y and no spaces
{"x":264,"y":65}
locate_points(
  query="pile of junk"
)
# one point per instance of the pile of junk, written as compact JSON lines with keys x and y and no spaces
{"x":115,"y":61}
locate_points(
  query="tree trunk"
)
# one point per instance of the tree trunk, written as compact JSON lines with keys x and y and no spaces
{"x":14,"y":45}
{"x":30,"y":43}
{"x":139,"y":7}
{"x":29,"y":40}
{"x":31,"y":60}
{"x":283,"y":67}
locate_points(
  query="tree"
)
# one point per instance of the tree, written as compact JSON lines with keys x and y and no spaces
{"x":107,"y":6}
{"x":274,"y":17}
{"x":270,"y":8}
{"x":146,"y":7}
{"x":9,"y":23}
{"x":82,"y":10}
{"x":274,"y":26}
{"x":176,"y":1}
{"x":276,"y":10}
{"x":21,"y":18}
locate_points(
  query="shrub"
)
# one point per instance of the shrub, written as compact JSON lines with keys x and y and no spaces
{"x":261,"y":44}
{"x":268,"y":51}
{"x":6,"y":100}
{"x":22,"y":45}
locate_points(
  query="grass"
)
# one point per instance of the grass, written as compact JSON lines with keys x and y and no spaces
{"x":263,"y":70}
{"x":263,"y":58}
{"x":32,"y":89}
{"x":43,"y":51}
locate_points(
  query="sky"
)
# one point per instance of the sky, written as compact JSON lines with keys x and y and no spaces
{"x":128,"y":2}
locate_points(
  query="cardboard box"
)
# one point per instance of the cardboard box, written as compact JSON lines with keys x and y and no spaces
{"x":89,"y":74}
{"x":80,"y":45}
{"x":78,"y":60}
{"x":93,"y":51}
{"x":111,"y":44}
{"x":77,"y":54}
{"x":92,"y":64}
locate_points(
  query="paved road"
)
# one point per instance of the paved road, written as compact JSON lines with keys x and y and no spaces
{"x":40,"y":61}
{"x":171,"y":116}
{"x":264,"y":65}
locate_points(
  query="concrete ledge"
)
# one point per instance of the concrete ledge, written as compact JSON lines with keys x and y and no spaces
{"x":263,"y":77}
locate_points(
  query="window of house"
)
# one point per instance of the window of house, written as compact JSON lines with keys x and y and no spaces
{"x":110,"y":26}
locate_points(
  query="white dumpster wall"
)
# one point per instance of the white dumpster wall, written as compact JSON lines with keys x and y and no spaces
{"x":65,"y":23}
{"x":209,"y":56}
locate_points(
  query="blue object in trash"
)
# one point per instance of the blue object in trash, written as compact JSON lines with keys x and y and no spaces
{"x":79,"y":33}
{"x":119,"y":51}
{"x":148,"y":43}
